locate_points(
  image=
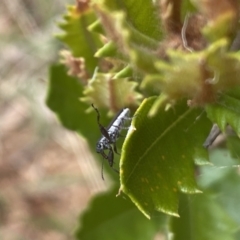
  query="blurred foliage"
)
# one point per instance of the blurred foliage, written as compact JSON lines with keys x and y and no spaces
{"x":36,"y":167}
{"x":63,"y":98}
{"x":176,"y":56}
{"x":114,"y":222}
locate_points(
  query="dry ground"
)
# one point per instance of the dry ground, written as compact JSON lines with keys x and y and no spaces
{"x":47,"y":174}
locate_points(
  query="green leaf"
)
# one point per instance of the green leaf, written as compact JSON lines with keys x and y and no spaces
{"x":81,"y":42}
{"x":202,"y":219}
{"x":228,"y":191}
{"x":224,"y":24}
{"x":158,"y":157}
{"x":63,"y":99}
{"x":124,"y":73}
{"x":143,"y":19}
{"x":222,"y":203}
{"x":226,"y":110}
{"x":233,"y":144}
{"x":135,"y":40}
{"x":109,"y":217}
{"x":114,"y":94}
{"x":223,"y":180}
{"x":108,"y":50}
{"x":199,"y":76}
{"x":221,"y":166}
{"x":96,"y":27}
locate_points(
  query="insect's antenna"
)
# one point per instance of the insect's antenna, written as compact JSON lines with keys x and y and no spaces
{"x":98,"y":114}
{"x":102,"y":169}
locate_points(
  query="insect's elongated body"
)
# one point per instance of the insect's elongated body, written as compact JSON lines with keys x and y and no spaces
{"x":110,"y":134}
{"x":114,"y":130}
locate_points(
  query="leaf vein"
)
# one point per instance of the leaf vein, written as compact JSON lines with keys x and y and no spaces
{"x":169,"y":128}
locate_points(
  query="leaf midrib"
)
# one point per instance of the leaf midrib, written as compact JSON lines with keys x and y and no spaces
{"x":169,"y":128}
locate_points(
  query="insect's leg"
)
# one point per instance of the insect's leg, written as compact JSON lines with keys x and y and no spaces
{"x":104,"y":155}
{"x":124,"y":120}
{"x":128,"y":118}
{"x":98,"y":115}
{"x":102,"y":128}
{"x":115,"y":170}
{"x":110,"y":160}
{"x":123,"y":127}
{"x":110,"y":157}
{"x":115,"y":149}
{"x":102,"y":169}
{"x":105,"y":133}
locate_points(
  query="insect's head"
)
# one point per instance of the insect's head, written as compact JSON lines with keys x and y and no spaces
{"x":99,"y":147}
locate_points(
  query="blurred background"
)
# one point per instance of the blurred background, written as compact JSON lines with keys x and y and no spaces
{"x":47,"y":174}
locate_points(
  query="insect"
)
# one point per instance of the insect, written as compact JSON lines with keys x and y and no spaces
{"x":110,"y":135}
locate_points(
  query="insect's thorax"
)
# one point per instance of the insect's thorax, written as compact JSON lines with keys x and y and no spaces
{"x":103,"y":144}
